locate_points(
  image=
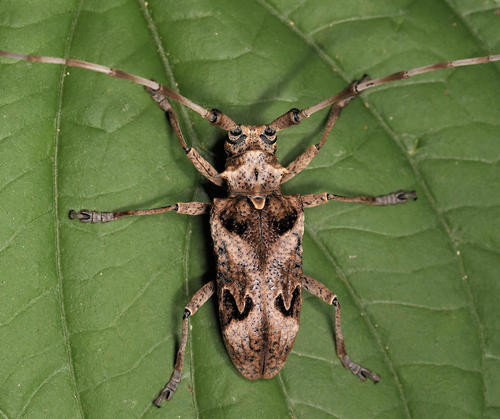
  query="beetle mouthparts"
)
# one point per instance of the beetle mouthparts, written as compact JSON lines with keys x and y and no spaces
{"x":258,"y":201}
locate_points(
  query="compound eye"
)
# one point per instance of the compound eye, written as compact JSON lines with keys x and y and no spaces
{"x":238,"y":135}
{"x":269,"y":131}
{"x":236,"y":132}
{"x":268,"y":135}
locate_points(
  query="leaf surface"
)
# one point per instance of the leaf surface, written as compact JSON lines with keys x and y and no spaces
{"x":90,"y":314}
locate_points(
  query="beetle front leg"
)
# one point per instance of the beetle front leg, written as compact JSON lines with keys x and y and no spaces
{"x":302,"y":161}
{"x":189,"y":208}
{"x":200,"y":298}
{"x":214,"y":116}
{"x":319,"y":290}
{"x":294,"y":117}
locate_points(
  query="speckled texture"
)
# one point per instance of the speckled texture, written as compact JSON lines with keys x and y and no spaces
{"x":257,"y":235}
{"x":255,"y":173}
{"x":259,"y":272}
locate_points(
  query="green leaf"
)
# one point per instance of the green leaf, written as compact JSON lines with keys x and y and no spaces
{"x":90,"y":314}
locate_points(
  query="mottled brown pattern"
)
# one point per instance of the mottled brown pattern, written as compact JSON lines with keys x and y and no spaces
{"x":259,"y":271}
{"x":254,"y":173}
{"x":204,"y":167}
{"x":257,"y":232}
{"x":192,"y":208}
{"x":300,"y":163}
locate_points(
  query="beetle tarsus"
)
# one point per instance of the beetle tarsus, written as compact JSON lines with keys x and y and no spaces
{"x":169,"y":390}
{"x":399,"y":197}
{"x":85,"y":216}
{"x":358,"y":370}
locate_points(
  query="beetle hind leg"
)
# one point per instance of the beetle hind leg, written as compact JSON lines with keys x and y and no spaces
{"x":355,"y":368}
{"x":169,"y":389}
{"x":319,"y":290}
{"x":200,"y":298}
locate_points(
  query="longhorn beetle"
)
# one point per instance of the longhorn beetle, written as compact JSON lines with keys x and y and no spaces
{"x":256,"y":231}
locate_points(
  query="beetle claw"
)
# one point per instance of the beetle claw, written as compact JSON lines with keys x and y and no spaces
{"x":403,"y":196}
{"x":169,"y":390}
{"x":366,"y":373}
{"x":84,"y":216}
{"x":358,"y":370}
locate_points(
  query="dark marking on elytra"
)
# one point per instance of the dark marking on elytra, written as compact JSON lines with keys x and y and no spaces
{"x":233,"y":226}
{"x":298,"y":247}
{"x":230,"y":307}
{"x":285,"y":224}
{"x":280,"y":304}
{"x":225,"y":277}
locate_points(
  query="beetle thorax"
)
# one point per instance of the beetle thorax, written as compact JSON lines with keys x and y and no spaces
{"x":253,"y":173}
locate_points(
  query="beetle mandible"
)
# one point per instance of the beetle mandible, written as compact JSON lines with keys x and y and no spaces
{"x":256,"y":231}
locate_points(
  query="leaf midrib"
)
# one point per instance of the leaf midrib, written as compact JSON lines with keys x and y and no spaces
{"x":196,"y":184}
{"x":57,"y":224}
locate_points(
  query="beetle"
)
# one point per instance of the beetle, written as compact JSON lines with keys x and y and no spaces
{"x":256,"y":231}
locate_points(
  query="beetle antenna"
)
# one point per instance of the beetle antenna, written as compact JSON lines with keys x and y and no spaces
{"x":294,"y":116}
{"x":214,"y":116}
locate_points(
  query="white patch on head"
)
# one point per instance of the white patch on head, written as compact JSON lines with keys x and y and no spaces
{"x":256,"y":176}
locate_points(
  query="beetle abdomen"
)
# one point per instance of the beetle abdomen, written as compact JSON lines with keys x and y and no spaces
{"x":259,"y":345}
{"x":259,"y":271}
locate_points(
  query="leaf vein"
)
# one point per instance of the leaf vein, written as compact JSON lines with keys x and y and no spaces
{"x":413,"y":305}
{"x":289,"y":402}
{"x":38,"y":388}
{"x":353,"y":19}
{"x":25,"y":307}
{"x":196,"y":187}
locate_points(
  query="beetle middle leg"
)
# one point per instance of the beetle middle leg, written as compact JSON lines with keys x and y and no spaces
{"x":188,"y":208}
{"x":200,"y":298}
{"x":399,"y":197}
{"x":322,"y":292}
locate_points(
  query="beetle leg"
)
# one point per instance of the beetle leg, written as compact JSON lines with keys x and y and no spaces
{"x":319,"y":290}
{"x":200,"y":298}
{"x":399,"y":197}
{"x":337,"y":108}
{"x":295,"y":116}
{"x":335,"y":111}
{"x":189,"y":208}
{"x":204,"y":167}
{"x":302,"y":161}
